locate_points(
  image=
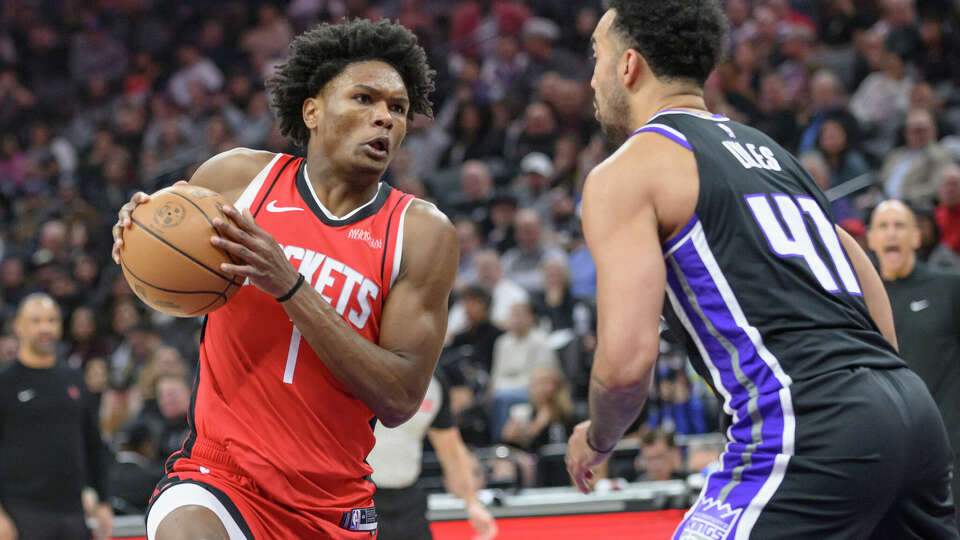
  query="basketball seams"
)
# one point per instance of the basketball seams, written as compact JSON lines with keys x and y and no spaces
{"x":206,"y":217}
{"x":218,"y":295}
{"x":180,"y":251}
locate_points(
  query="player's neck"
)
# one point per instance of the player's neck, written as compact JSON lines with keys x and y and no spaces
{"x":36,"y":361}
{"x":340,"y":192}
{"x":666,"y":97}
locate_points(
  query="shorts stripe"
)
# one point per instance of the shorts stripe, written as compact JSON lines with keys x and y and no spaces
{"x":192,"y":492}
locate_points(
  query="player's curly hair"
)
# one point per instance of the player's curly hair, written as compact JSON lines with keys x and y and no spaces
{"x":680,"y":39}
{"x":319,"y":55}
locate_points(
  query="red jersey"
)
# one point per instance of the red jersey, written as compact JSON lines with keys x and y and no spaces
{"x":262,"y":394}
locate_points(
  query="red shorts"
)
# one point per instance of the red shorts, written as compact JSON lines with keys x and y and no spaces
{"x":238,"y":499}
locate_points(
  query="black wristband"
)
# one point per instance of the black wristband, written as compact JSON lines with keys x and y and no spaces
{"x":597,"y":450}
{"x":293,"y":290}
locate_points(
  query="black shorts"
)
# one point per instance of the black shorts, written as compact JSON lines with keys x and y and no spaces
{"x":870,"y":460}
{"x":402,"y":514}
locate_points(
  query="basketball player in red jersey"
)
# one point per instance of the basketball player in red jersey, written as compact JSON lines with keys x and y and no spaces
{"x":342,"y":309}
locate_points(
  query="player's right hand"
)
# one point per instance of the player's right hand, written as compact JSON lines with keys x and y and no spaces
{"x":124,"y":221}
{"x":8,"y":531}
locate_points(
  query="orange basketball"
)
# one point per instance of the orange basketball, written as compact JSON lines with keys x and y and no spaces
{"x":167,"y":257}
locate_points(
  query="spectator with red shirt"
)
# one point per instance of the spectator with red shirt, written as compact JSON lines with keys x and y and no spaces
{"x":947,"y":213}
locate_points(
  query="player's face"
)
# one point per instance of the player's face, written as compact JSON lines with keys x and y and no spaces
{"x":38,"y":326}
{"x":363,"y":116}
{"x":610,"y":99}
{"x":893,"y":236}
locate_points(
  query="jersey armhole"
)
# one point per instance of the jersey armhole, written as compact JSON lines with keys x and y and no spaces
{"x":668,"y":132}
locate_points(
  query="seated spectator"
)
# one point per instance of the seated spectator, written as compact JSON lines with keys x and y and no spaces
{"x":836,"y":145}
{"x":533,"y":184}
{"x":476,"y":191}
{"x":480,"y":334}
{"x":908,"y":172}
{"x":503,"y":211}
{"x":469,"y":137}
{"x":166,"y":360}
{"x":678,"y":410}
{"x":84,"y":340}
{"x":547,"y":418}
{"x":135,"y":473}
{"x":932,"y":250}
{"x":503,"y":293}
{"x":659,"y":459}
{"x":171,"y":427}
{"x":515,"y":355}
{"x":947,"y":211}
{"x":522,"y":263}
{"x":815,"y":164}
{"x":882,"y":99}
{"x":468,"y":238}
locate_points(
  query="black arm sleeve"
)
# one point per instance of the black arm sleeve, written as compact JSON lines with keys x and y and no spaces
{"x":444,"y":418}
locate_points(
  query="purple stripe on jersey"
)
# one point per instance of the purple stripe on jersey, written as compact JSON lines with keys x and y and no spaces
{"x":682,"y":141}
{"x":683,"y":232}
{"x":715,"y":308}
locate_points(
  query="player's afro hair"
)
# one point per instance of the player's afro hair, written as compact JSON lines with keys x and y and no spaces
{"x":319,"y":55}
{"x":680,"y":39}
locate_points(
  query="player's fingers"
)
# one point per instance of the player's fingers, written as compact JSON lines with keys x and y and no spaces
{"x":233,"y":232}
{"x":239,"y":250}
{"x":115,"y":253}
{"x":236,"y":270}
{"x":243,"y":219}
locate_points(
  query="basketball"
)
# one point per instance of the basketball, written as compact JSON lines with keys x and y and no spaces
{"x":167,"y":257}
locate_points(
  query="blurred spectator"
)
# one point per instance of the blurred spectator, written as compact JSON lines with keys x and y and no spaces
{"x":947,"y":211}
{"x":468,"y":238}
{"x":196,"y":71}
{"x":777,"y":114}
{"x":503,"y":212}
{"x":883,"y":97}
{"x":515,"y":355}
{"x":827,"y":101}
{"x":547,"y":418}
{"x":659,"y":457}
{"x":135,"y":474}
{"x":173,"y":401}
{"x":271,"y":36}
{"x":932,"y":250}
{"x":583,"y":271}
{"x":480,"y":334}
{"x":94,"y":50}
{"x":536,"y":132}
{"x":469,"y":136}
{"x":679,"y":410}
{"x":476,"y":191}
{"x":533,"y":184}
{"x":522,"y":263}
{"x":133,"y":353}
{"x":908,"y":172}
{"x":844,"y":161}
{"x":84,"y":340}
{"x":504,"y":293}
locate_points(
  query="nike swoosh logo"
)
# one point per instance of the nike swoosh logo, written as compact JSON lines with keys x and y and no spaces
{"x":272,"y":207}
{"x":919,"y":305}
{"x":26,"y":395}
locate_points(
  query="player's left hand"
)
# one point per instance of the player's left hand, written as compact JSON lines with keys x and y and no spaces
{"x":258,"y":256}
{"x":482,"y":521}
{"x":104,"y":517}
{"x":581,"y":459}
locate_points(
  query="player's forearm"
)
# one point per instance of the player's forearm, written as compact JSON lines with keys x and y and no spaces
{"x":615,"y":401}
{"x":456,"y":462}
{"x":389,"y":384}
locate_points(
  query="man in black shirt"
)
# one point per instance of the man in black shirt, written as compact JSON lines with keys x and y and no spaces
{"x":50,"y":445}
{"x":926,"y":313}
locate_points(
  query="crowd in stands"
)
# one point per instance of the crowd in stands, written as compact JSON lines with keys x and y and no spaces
{"x":102,"y":99}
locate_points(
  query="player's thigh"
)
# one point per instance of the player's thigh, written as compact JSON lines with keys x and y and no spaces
{"x":192,"y":522}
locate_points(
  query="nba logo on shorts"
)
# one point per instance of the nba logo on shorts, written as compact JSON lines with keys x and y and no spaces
{"x":710,"y":520}
{"x":354,"y":519}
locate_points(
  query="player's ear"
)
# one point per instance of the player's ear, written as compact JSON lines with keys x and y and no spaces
{"x":631,"y":68}
{"x":312,"y":112}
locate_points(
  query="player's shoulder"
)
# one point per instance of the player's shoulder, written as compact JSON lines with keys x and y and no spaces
{"x":423,"y":217}
{"x":430,"y":239}
{"x":232,"y":169}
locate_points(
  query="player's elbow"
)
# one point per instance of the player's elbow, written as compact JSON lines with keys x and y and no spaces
{"x":627,"y":367}
{"x":398,"y":411}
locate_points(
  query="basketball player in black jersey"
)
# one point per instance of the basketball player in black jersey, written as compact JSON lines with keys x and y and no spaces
{"x":830,"y":436}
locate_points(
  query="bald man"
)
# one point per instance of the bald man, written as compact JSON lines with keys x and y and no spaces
{"x":926,"y":313}
{"x":50,"y":446}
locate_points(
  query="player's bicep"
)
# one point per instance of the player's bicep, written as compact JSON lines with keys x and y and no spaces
{"x":415,"y":312}
{"x":874,"y":293}
{"x":622,"y":233}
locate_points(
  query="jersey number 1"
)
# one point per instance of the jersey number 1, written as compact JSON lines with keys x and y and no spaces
{"x":292,"y":353}
{"x":797,"y":241}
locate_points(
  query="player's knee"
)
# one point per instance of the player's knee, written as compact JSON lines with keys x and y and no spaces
{"x":191,"y":523}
